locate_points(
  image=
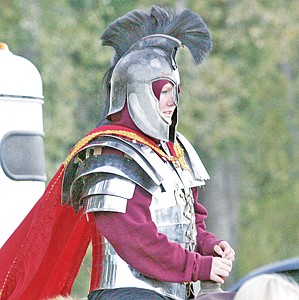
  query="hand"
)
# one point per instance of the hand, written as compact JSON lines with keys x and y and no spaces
{"x":221,"y":267}
{"x":224,"y":250}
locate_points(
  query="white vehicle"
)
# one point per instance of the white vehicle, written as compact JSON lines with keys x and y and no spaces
{"x":22,"y":161}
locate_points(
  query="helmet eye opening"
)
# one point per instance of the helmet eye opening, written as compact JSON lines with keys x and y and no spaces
{"x":158,"y":84}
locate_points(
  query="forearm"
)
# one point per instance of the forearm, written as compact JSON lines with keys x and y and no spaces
{"x":136,"y":239}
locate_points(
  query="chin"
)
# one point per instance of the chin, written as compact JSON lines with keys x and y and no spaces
{"x":168,"y":119}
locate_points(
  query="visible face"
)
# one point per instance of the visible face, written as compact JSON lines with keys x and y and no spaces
{"x":166,"y":103}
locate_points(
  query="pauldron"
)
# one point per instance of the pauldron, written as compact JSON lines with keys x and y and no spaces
{"x":109,"y":179}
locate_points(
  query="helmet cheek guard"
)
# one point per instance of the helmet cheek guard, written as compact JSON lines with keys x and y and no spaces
{"x":132,"y":80}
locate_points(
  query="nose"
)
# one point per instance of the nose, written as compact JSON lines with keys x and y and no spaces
{"x":170,"y":100}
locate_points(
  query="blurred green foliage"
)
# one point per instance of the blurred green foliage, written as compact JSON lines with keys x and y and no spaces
{"x":243,"y":100}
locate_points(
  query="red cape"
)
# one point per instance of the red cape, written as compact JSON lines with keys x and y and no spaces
{"x":42,"y":257}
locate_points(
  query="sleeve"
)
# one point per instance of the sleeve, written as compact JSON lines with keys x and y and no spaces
{"x":205,"y":240}
{"x":136,"y":239}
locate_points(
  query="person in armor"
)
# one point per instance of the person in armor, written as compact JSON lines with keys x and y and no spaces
{"x":140,"y":177}
{"x":131,"y":184}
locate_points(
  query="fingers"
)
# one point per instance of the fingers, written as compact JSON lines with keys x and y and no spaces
{"x":217,"y":279}
{"x":221,"y":268}
{"x":229,"y":253}
{"x":228,"y":250}
{"x":225,"y":250}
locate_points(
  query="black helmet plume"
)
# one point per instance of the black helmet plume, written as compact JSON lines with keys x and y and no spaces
{"x":186,"y":26}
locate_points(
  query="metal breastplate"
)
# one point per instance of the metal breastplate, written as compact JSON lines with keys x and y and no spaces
{"x":171,"y":208}
{"x":173,"y":213}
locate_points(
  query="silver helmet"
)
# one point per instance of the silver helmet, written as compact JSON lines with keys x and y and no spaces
{"x":145,"y":46}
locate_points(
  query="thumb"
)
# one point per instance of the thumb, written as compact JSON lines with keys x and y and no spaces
{"x":218,"y":250}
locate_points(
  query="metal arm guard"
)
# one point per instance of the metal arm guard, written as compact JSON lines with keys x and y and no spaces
{"x":108,"y":180}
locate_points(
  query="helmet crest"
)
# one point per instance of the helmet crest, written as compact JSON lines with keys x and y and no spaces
{"x":145,"y":45}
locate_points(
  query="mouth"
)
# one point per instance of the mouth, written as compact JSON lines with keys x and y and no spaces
{"x":168,"y":113}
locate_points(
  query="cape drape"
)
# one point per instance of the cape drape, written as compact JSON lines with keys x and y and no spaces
{"x":41,"y":259}
{"x":43,"y":256}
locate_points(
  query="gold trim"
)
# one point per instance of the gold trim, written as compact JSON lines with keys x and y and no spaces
{"x":134,"y":137}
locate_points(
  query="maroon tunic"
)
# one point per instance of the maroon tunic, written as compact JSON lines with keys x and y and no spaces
{"x":136,"y":239}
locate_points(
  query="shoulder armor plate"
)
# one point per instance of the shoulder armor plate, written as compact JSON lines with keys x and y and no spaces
{"x":89,"y":167}
{"x":140,"y":164}
{"x":198,"y":170}
{"x":110,"y":193}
